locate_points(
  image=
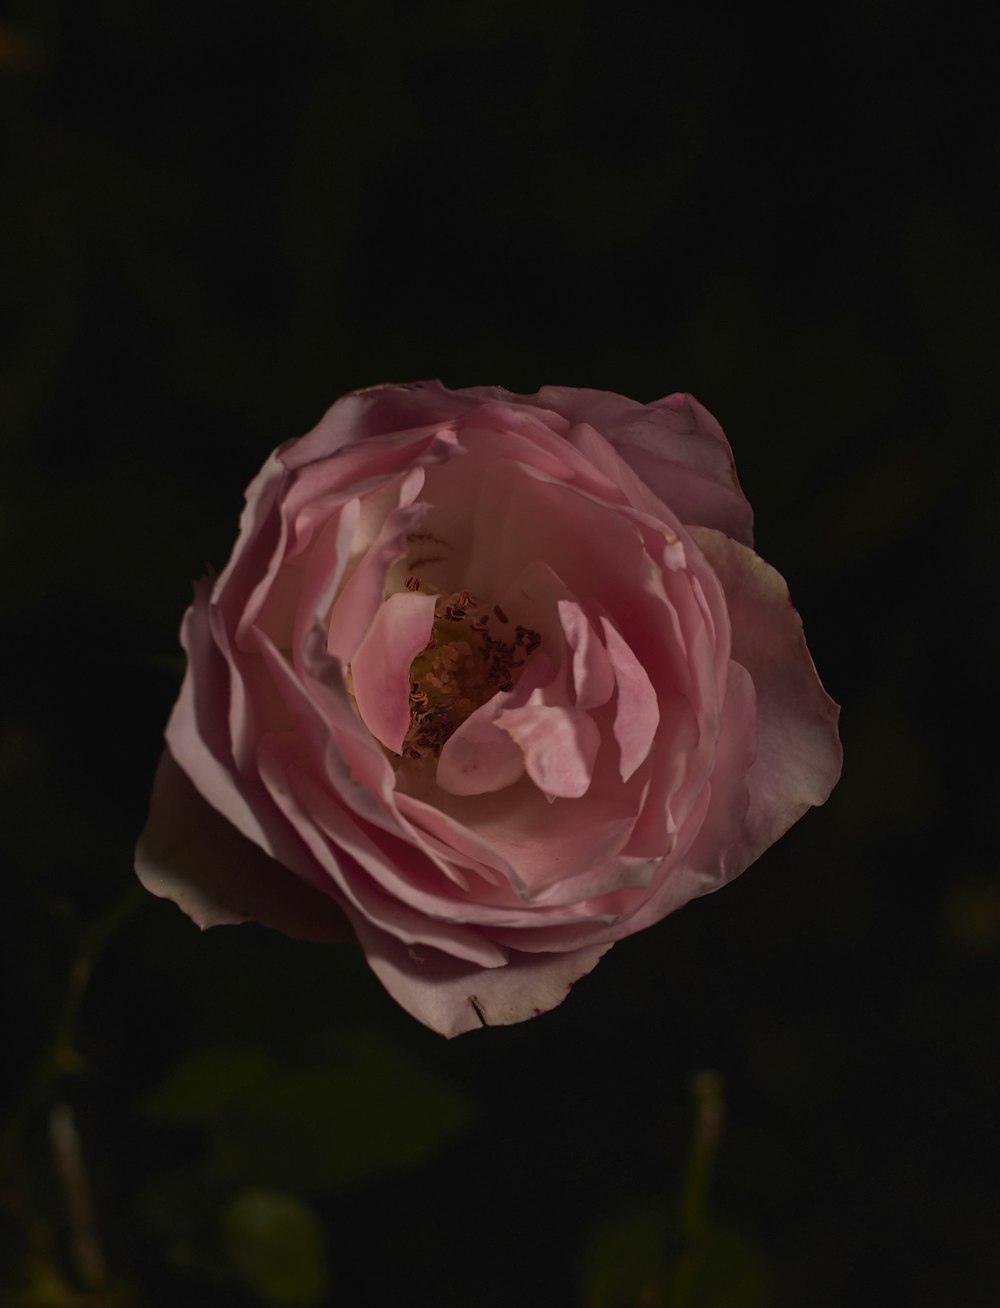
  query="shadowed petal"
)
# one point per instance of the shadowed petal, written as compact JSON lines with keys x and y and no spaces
{"x":799,"y":753}
{"x":450,"y":997}
{"x":191,"y":854}
{"x":636,"y":713}
{"x":559,"y":744}
{"x":478,"y":757}
{"x":593,"y":678}
{"x":380,"y":667}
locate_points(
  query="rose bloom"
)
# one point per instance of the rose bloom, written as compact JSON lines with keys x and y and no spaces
{"x":490,"y":682}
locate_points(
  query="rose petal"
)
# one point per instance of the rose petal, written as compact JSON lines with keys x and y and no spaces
{"x":451,"y":997}
{"x":381,"y":665}
{"x":359,"y":600}
{"x":402,"y":905}
{"x":191,"y":854}
{"x":198,"y":737}
{"x":636,"y":712}
{"x":676,"y":447}
{"x":800,"y":756}
{"x":478,"y":757}
{"x":593,"y":677}
{"x":559,"y":744}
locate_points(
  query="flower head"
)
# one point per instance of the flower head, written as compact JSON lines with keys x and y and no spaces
{"x":489,"y":683}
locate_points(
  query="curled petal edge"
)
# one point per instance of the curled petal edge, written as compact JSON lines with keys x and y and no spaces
{"x":452,"y":997}
{"x":190,"y":854}
{"x":799,"y":755}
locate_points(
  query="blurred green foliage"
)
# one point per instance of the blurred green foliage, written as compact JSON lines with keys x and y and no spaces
{"x":214,"y":221}
{"x":315,"y":1127}
{"x":628,"y":1264}
{"x":277,"y":1245}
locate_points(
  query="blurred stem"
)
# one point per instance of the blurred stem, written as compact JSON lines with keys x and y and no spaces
{"x":68,"y":1156}
{"x":60,"y":1055}
{"x":709,"y":1113}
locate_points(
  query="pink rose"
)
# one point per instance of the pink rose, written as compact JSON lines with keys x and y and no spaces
{"x":490,"y":682}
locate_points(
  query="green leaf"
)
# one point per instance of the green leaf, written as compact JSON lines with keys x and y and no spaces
{"x":725,"y":1270}
{"x":367,"y":1110}
{"x":201,"y":1088}
{"x":359,"y":1108}
{"x":626,"y":1259}
{"x":638,"y":1259}
{"x":277,"y":1245}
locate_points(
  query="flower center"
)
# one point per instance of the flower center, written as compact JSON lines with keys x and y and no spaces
{"x":473,"y":652}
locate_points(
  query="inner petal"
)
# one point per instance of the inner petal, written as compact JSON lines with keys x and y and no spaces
{"x":560,"y":745}
{"x":379,"y":669}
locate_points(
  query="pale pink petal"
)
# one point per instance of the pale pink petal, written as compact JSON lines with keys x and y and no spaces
{"x":681,"y":453}
{"x":366,"y":415}
{"x":191,"y":854}
{"x":542,"y":841}
{"x":593,"y":678}
{"x":679,"y":768}
{"x":365,"y":879}
{"x":198,"y":737}
{"x":609,"y":917}
{"x":451,"y":997}
{"x":414,"y":869}
{"x":522,"y":517}
{"x":257,"y":553}
{"x":706,"y":853}
{"x":451,"y":841}
{"x":559,"y":745}
{"x":570,"y":403}
{"x":478,"y":757}
{"x":636,"y":712}
{"x":323,"y":573}
{"x":676,"y":447}
{"x":703,"y":856}
{"x":799,"y":757}
{"x":359,"y":599}
{"x":603,"y":455}
{"x":381,"y":665}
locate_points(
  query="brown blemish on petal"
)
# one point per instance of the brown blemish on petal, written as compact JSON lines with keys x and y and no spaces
{"x":478,"y":1009}
{"x":429,"y":536}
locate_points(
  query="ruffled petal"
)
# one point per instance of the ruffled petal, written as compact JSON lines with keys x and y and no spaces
{"x":479,"y":757}
{"x":191,"y":854}
{"x":451,"y":997}
{"x":636,"y":712}
{"x":593,"y":677}
{"x":559,"y":744}
{"x":676,"y":447}
{"x":799,"y":755}
{"x":380,"y":667}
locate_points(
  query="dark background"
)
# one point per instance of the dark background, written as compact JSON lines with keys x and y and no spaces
{"x":214,"y":219}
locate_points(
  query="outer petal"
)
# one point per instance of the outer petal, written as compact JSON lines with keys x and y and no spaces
{"x":799,"y":754}
{"x":451,"y":997}
{"x":675,"y":446}
{"x":681,"y":453}
{"x":376,"y":411}
{"x":191,"y":854}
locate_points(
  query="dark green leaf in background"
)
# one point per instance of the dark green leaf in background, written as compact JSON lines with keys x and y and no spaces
{"x":366,"y":1109}
{"x":277,"y":1245}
